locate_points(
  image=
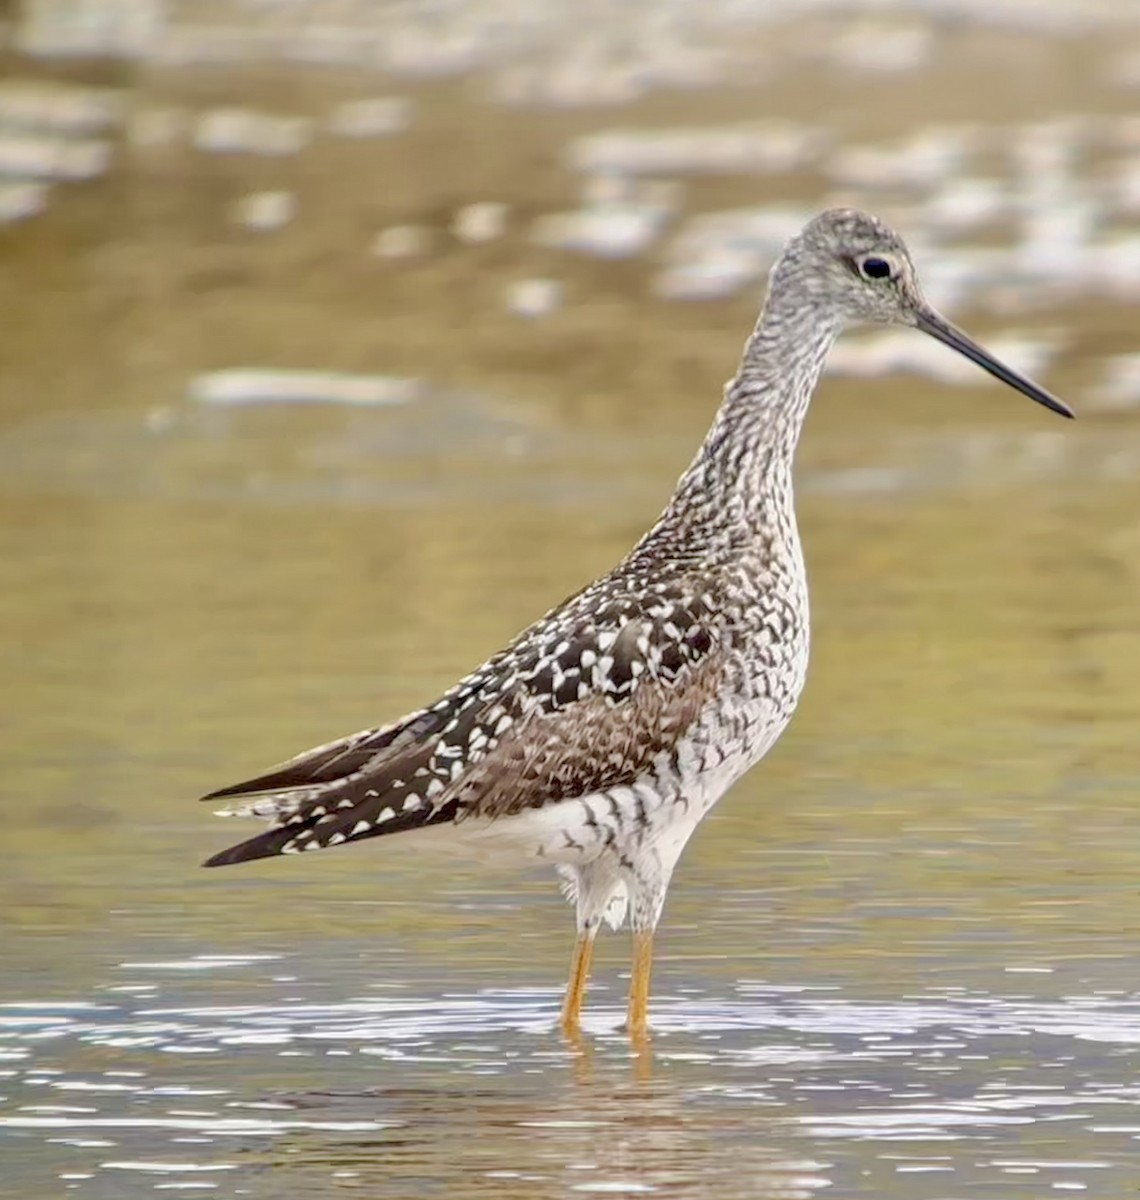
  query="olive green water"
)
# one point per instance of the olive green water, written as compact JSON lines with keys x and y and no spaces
{"x":898,"y":961}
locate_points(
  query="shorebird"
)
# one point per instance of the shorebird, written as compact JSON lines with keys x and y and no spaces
{"x":598,"y":739}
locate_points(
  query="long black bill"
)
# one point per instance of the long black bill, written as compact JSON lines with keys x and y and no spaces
{"x":950,"y":335}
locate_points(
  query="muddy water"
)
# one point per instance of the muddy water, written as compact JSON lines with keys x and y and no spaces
{"x":899,"y":961}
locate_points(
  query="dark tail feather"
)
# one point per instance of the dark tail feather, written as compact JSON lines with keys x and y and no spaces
{"x":363,"y":786}
{"x":265,"y":845}
{"x":341,"y":759}
{"x":320,"y":830}
{"x":323,"y":765}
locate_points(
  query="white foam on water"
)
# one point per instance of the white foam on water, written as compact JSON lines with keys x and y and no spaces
{"x":255,"y":386}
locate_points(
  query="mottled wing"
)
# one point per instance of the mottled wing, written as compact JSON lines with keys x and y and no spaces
{"x":607,"y":708}
{"x":589,"y":699}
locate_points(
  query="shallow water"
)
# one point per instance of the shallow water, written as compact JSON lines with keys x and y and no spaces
{"x":898,"y":961}
{"x":765,"y":1091}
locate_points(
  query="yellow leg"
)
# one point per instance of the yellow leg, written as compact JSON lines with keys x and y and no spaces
{"x":576,"y":987}
{"x":638,"y":1021}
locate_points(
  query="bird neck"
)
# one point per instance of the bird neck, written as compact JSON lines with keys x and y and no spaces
{"x":757,"y":427}
{"x":738,"y":489}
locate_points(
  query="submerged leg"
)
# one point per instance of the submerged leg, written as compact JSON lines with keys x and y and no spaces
{"x":648,"y":898}
{"x":648,"y":881}
{"x":599,"y":894}
{"x":576,"y":987}
{"x":637,"y":1021}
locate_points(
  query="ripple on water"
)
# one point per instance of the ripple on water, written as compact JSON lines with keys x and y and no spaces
{"x":971,"y":1070}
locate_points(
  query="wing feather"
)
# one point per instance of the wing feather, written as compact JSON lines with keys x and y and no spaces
{"x":323,"y":764}
{"x":574,"y":706}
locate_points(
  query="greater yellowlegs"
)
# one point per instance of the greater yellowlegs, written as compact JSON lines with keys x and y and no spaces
{"x":599,"y":738}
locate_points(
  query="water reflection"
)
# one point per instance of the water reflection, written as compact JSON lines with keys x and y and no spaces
{"x":406,"y":1092}
{"x":899,"y":960}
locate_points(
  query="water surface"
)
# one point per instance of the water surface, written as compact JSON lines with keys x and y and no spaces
{"x":898,"y":961}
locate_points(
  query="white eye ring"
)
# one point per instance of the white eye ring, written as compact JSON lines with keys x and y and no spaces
{"x":876,"y":267}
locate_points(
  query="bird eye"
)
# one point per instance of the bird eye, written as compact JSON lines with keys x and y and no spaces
{"x":876,"y":268}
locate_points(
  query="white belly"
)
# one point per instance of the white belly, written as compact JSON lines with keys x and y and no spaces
{"x":656,"y":815}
